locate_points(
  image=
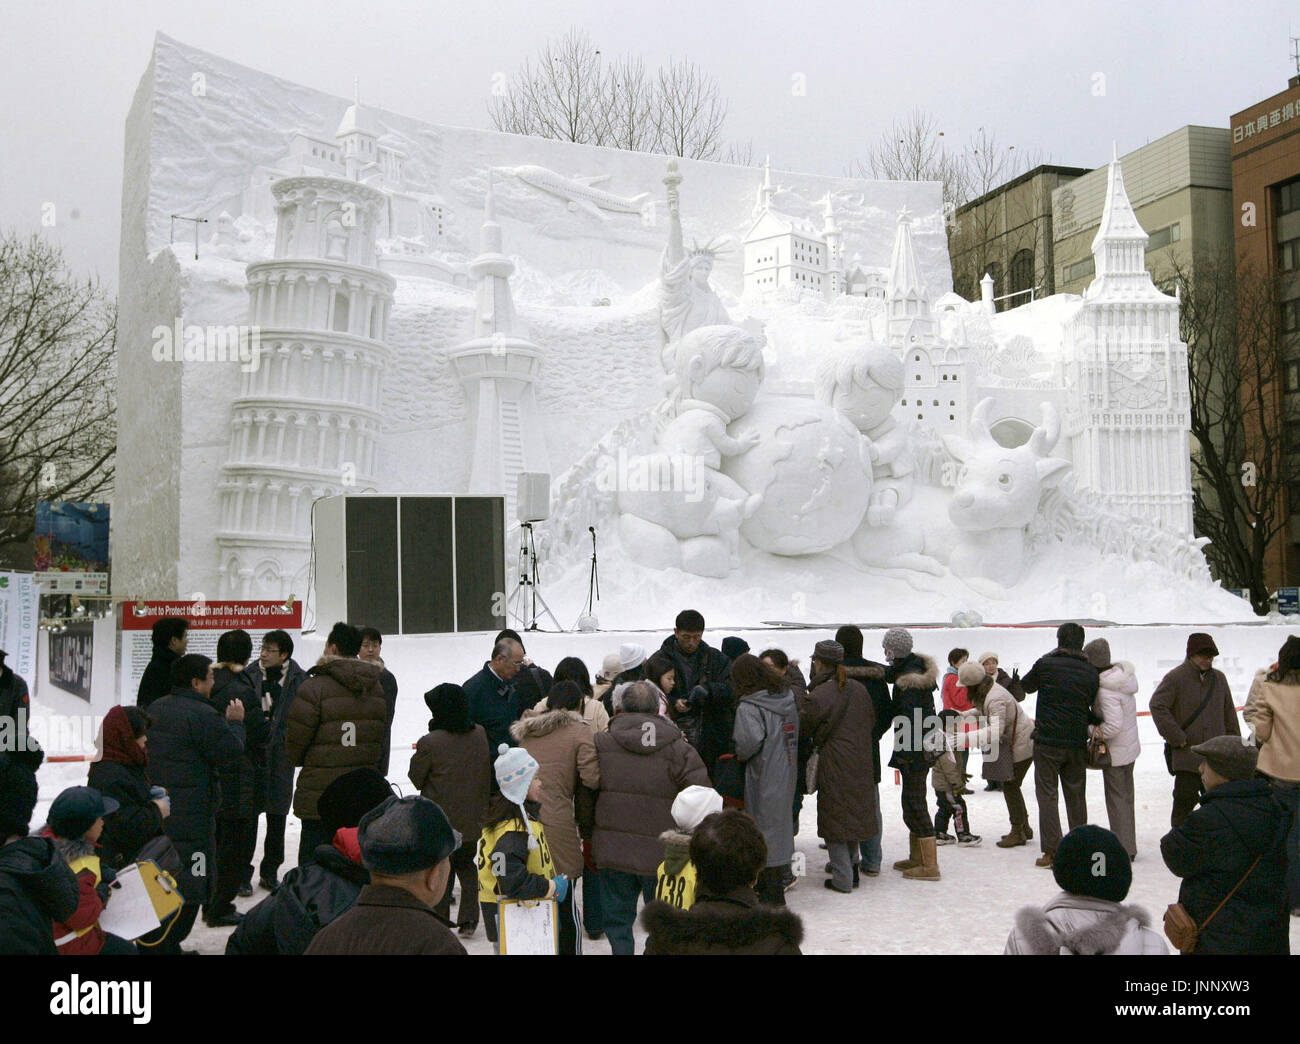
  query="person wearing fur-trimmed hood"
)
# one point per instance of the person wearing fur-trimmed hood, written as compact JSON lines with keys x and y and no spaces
{"x":1089,"y":915}
{"x":915,"y":678}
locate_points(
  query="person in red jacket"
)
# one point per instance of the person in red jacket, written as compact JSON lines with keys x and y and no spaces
{"x":956,"y":699}
{"x":76,"y":820}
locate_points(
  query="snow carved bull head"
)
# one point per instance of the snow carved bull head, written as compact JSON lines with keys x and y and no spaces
{"x":997,"y":487}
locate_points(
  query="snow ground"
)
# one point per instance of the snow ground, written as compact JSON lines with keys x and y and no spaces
{"x":970,"y":910}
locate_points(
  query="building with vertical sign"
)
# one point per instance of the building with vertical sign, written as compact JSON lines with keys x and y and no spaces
{"x":1265,"y":143}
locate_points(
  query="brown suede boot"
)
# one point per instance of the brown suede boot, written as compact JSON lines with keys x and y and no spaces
{"x":1015,"y":839}
{"x":1045,"y":860}
{"x":913,"y":854}
{"x":929,"y":868}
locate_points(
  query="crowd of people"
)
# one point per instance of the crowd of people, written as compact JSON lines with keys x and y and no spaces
{"x":673,"y":779}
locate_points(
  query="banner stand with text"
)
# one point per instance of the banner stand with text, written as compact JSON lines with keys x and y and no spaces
{"x":208,"y":621}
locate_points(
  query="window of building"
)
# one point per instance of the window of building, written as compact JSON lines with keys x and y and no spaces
{"x":1291,"y":315}
{"x":1022,"y":275}
{"x":1078,"y":270}
{"x":1288,"y":255}
{"x":1292,"y":373}
{"x":1162,"y":237}
{"x":1288,"y":196}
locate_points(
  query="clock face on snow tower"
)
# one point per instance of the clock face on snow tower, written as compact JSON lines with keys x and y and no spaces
{"x":1137,"y":384}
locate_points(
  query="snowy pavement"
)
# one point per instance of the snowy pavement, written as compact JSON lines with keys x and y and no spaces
{"x":970,"y":910}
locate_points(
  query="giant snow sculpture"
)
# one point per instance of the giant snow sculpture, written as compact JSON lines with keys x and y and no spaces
{"x":810,"y":449}
{"x":839,"y":473}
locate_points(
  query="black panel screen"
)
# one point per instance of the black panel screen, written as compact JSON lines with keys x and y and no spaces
{"x":480,"y":563}
{"x":372,"y":563}
{"x":427,"y":586}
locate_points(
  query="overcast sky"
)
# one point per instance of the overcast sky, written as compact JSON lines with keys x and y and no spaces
{"x":1030,"y":73}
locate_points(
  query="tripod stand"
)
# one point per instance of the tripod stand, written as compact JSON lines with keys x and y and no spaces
{"x":523,"y":602}
{"x":587,"y":618}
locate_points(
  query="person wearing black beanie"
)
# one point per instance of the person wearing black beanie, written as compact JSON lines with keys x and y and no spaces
{"x":1089,"y":915}
{"x":315,"y":893}
{"x":452,"y":767}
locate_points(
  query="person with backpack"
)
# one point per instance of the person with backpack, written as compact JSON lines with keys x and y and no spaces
{"x":1191,"y":705}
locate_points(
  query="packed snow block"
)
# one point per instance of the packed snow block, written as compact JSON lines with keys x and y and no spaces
{"x":146,"y":500}
{"x":582,"y":227}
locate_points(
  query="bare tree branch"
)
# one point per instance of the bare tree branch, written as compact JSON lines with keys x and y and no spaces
{"x":57,"y":372}
{"x":1243,"y":474}
{"x":569,"y":93}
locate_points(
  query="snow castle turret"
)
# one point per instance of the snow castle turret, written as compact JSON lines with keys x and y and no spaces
{"x":307,"y":419}
{"x":499,"y":367}
{"x":907,"y":306}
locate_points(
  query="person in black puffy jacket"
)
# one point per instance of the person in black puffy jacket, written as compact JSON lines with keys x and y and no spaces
{"x":1216,"y":846}
{"x":915,"y":678}
{"x":1066,"y":684}
{"x":188,"y":742}
{"x":122,"y":774}
{"x":170,"y":639}
{"x":243,"y":782}
{"x":315,"y":893}
{"x":16,"y":706}
{"x":37,"y":887}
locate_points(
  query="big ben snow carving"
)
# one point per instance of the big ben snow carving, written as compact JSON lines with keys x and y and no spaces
{"x":1126,"y":369}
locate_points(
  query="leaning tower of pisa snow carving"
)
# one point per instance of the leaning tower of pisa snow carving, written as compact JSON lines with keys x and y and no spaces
{"x":307,"y":418}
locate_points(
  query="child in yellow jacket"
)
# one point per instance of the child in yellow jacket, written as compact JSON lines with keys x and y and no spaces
{"x":675,"y":878}
{"x":513,"y":859}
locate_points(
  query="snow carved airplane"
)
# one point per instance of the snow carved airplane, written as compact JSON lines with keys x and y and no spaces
{"x":578,"y":192}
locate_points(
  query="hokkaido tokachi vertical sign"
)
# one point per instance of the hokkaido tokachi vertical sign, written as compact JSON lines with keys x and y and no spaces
{"x":207,"y":620}
{"x":19,"y":612}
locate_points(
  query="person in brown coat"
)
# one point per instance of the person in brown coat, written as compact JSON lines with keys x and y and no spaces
{"x":453,"y":769}
{"x":728,"y":852}
{"x":338,"y":722}
{"x":564,"y":746}
{"x":406,"y":844}
{"x":838,"y":716}
{"x":1192,"y":704}
{"x":644,"y":762}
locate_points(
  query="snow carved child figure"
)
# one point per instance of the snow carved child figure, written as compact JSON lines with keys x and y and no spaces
{"x":514,"y":860}
{"x":865,"y":383}
{"x":676,"y":879}
{"x":719,"y":370}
